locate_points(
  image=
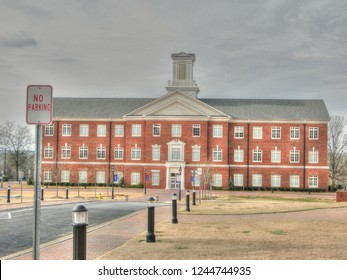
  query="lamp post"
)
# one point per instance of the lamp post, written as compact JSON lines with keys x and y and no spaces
{"x":174,"y":219}
{"x":79,"y":223}
{"x":150,"y":237}
{"x":179,"y":184}
{"x":112,"y":196}
{"x":145,"y":174}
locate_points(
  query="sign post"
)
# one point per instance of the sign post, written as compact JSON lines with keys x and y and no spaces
{"x":39,"y":108}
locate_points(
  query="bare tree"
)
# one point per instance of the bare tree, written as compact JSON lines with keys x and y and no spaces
{"x":337,"y":147}
{"x":206,"y":178}
{"x":17,"y":140}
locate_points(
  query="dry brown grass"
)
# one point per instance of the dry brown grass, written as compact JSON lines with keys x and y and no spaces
{"x":264,"y":237}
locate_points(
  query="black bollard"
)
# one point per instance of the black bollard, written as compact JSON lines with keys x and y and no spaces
{"x":42,"y":193}
{"x":9,"y":194}
{"x":194,"y":197}
{"x":187,"y":201}
{"x":79,"y":223}
{"x":174,"y":219}
{"x":67,"y":193}
{"x":150,"y":237}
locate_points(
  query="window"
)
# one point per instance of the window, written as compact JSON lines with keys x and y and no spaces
{"x":118,"y":153}
{"x":119,"y":130}
{"x":65,"y":176}
{"x":217,"y":180}
{"x":257,"y":132}
{"x":155,"y":152}
{"x":294,"y":156}
{"x":196,"y":180}
{"x":196,"y":130}
{"x":135,"y":178}
{"x":217,"y":131}
{"x":313,"y":181}
{"x":47,"y":177}
{"x":238,"y":180}
{"x":82,"y":176}
{"x":135,"y":153}
{"x":100,"y":177}
{"x":313,"y":156}
{"x":101,"y":130}
{"x":49,"y":130}
{"x":101,"y":153}
{"x":238,"y":155}
{"x":119,"y":176}
{"x":239,"y":132}
{"x":176,"y":153}
{"x":84,"y":130}
{"x":294,"y":181}
{"x":276,"y":181}
{"x":48,"y":152}
{"x":196,"y":153}
{"x":275,"y":156}
{"x":155,"y":178}
{"x":295,"y":133}
{"x":257,"y":180}
{"x":66,"y":152}
{"x":136,"y":130}
{"x":156,"y":129}
{"x":313,"y":133}
{"x":66,"y":130}
{"x":217,"y":154}
{"x":276,"y":132}
{"x":83,"y":152}
{"x":176,"y":130}
{"x":257,"y":155}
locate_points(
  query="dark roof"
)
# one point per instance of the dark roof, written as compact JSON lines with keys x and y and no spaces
{"x":243,"y":109}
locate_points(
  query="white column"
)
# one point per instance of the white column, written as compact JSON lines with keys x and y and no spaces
{"x":168,"y":178}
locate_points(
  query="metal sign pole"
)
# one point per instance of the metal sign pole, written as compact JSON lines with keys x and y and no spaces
{"x":37,"y":194}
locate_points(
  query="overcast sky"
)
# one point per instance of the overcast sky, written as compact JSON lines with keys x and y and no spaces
{"x":244,"y":49}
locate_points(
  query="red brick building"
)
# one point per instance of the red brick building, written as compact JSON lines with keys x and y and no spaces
{"x":181,"y":138}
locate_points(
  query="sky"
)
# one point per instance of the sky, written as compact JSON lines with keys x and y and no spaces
{"x":293,"y":49}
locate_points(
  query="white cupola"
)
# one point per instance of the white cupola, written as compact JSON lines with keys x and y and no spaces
{"x":182,"y":74}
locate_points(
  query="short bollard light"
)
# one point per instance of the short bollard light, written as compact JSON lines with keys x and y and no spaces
{"x":187,"y":201}
{"x":67,"y":193}
{"x":8,"y":194}
{"x":150,"y":237}
{"x":174,"y":219}
{"x":79,"y":223}
{"x":194,"y":197}
{"x":42,"y":193}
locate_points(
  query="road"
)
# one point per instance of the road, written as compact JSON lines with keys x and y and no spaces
{"x":16,"y":233}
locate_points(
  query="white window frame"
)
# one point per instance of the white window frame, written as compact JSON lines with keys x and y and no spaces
{"x":100,"y":177}
{"x":135,"y":153}
{"x":84,"y":130}
{"x":239,"y":155}
{"x":276,"y":132}
{"x":101,"y":152}
{"x":294,"y":156}
{"x":217,"y":180}
{"x":155,"y":152}
{"x":135,"y":178}
{"x":82,"y":176}
{"x":313,"y":133}
{"x":257,"y":132}
{"x":196,"y":130}
{"x":47,"y":176}
{"x":257,"y":155}
{"x":276,"y":156}
{"x":196,"y":153}
{"x":276,"y":181}
{"x":257,"y":180}
{"x":83,"y":152}
{"x":118,"y":153}
{"x":66,"y":152}
{"x":156,"y":130}
{"x":155,"y":178}
{"x":239,"y":132}
{"x":136,"y":130}
{"x":294,"y":181}
{"x":101,"y":130}
{"x":119,"y":130}
{"x":217,"y":131}
{"x":176,"y":130}
{"x":238,"y":180}
{"x":313,"y":181}
{"x":49,"y":130}
{"x":295,"y":133}
{"x":66,"y":130}
{"x":217,"y":154}
{"x":65,"y":176}
{"x":313,"y":156}
{"x":48,"y":151}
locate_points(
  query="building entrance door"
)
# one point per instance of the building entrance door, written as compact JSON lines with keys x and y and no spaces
{"x":173,"y":183}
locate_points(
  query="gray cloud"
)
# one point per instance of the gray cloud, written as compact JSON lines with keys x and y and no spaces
{"x":19,"y":40}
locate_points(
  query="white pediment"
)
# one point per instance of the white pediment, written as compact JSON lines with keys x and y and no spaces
{"x":177,"y":104}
